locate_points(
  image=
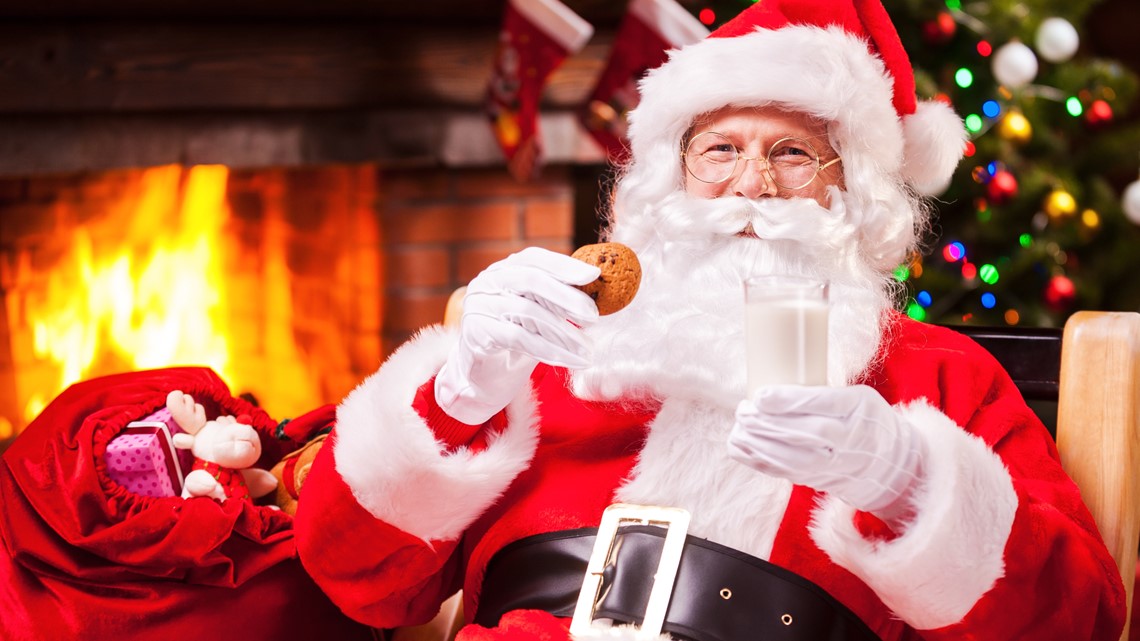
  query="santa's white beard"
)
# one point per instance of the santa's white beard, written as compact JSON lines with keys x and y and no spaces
{"x":682,"y":337}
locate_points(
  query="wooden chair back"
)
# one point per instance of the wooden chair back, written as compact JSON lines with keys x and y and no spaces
{"x":1092,"y":370}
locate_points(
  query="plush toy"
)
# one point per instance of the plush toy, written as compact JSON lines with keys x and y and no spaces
{"x":291,"y":473}
{"x":224,"y":449}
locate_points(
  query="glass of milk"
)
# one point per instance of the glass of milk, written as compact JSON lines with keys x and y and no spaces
{"x":785,"y":332}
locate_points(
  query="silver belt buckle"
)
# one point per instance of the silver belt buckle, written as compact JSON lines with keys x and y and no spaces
{"x":676,"y":521}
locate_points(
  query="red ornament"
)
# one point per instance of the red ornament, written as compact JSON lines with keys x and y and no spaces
{"x":940,"y":30}
{"x":1002,"y":188}
{"x":1060,"y":292}
{"x":1098,"y":113}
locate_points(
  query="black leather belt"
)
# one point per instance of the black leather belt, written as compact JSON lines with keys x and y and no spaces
{"x":719,"y":594}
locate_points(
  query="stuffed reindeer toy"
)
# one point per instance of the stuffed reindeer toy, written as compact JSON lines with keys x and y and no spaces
{"x":225,"y":450}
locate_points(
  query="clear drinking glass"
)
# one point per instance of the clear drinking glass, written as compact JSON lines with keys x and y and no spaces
{"x":785,"y":331}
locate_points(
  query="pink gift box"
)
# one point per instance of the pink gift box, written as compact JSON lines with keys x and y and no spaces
{"x":142,"y":459}
{"x":185,"y":457}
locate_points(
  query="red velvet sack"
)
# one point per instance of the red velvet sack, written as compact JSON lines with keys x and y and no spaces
{"x":83,"y":558}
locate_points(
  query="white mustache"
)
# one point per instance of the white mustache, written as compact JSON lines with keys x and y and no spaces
{"x":799,"y":220}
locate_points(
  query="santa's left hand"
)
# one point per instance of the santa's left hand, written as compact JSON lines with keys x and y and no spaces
{"x":847,"y":441}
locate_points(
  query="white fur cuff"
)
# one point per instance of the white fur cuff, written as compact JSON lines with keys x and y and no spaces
{"x":396,"y":468}
{"x":952,"y":553}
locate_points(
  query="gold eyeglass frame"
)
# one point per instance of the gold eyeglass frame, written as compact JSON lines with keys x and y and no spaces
{"x":765,"y":159}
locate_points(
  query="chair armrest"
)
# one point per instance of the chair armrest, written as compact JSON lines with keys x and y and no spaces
{"x":1098,"y":427}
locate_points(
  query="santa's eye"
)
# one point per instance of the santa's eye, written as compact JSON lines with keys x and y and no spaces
{"x":711,"y":147}
{"x":791,"y":152}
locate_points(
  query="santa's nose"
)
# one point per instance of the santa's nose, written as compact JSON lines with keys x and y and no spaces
{"x":752,"y":179}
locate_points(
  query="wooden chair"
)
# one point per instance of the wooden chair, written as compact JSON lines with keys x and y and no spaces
{"x":1092,"y":371}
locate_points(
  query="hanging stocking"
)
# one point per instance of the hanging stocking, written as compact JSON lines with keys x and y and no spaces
{"x":649,"y":29}
{"x":536,"y":37}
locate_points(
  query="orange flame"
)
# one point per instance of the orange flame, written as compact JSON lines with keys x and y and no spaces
{"x":146,"y":286}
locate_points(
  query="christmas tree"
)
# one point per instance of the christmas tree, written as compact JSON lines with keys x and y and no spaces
{"x":1042,"y":217}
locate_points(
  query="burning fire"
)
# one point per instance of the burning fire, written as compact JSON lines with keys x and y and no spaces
{"x":149,"y":285}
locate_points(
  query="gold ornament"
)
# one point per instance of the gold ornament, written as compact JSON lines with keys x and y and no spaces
{"x":1015,"y":127}
{"x":1090,"y":219}
{"x":1060,"y":204}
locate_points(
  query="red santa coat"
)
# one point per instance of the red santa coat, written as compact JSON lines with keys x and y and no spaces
{"x":394,"y":517}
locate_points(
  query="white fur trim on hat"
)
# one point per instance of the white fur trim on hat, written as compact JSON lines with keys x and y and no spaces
{"x":826,"y":72}
{"x":952,"y":552}
{"x":396,"y":468}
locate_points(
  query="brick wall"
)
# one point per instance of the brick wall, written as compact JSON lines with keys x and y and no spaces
{"x":440,"y":228}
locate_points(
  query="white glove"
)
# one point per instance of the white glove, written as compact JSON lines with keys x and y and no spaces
{"x":517,"y":312}
{"x":847,"y":441}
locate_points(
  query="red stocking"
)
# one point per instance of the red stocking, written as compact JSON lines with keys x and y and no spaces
{"x":650,"y":28}
{"x":537,"y":36}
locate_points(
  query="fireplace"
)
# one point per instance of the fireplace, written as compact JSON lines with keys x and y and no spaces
{"x":292,"y":283}
{"x":272,"y":278}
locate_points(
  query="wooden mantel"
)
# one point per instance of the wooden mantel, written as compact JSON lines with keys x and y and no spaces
{"x":105,"y":83}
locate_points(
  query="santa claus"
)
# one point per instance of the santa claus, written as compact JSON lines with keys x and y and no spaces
{"x":913,"y":496}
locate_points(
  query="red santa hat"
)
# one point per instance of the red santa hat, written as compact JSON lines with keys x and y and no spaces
{"x":839,"y":60}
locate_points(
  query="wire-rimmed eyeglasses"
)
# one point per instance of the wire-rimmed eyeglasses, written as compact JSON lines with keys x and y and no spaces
{"x":791,"y":163}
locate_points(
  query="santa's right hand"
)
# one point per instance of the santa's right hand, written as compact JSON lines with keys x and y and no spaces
{"x":518,"y":312}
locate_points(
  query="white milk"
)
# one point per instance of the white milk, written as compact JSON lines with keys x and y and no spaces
{"x":786,"y":342}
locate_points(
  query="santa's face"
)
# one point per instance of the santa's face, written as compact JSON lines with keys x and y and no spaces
{"x":683,"y":334}
{"x":768,"y":143}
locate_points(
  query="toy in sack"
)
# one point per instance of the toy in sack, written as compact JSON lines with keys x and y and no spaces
{"x":84,"y":554}
{"x":292,"y":471}
{"x":142,"y":458}
{"x":225,"y":450}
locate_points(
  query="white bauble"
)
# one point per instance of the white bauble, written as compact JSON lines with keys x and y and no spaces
{"x":1014,"y":65}
{"x":1057,"y":40}
{"x":1131,"y":202}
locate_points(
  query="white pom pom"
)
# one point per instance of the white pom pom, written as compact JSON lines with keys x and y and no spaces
{"x":1131,"y":202}
{"x":1057,"y":40}
{"x":1014,"y":65}
{"x":934,"y":142}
